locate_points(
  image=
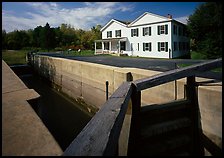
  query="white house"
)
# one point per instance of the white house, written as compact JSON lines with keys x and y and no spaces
{"x":149,"y":35}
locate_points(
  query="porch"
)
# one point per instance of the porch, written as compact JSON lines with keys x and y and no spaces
{"x":110,"y":46}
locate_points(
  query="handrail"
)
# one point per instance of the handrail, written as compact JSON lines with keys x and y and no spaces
{"x":101,"y":135}
{"x":176,"y":74}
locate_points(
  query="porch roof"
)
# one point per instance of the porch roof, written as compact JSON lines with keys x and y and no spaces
{"x":112,"y":39}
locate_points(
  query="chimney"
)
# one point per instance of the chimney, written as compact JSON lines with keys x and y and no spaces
{"x":169,"y":16}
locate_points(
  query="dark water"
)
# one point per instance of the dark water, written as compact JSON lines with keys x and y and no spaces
{"x":63,"y":118}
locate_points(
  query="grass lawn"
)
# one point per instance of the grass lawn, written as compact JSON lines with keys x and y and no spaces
{"x":197,"y":55}
{"x":214,"y":70}
{"x":81,"y":53}
{"x":12,"y":57}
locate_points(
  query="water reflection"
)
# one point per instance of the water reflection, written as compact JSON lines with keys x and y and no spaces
{"x":61,"y":116}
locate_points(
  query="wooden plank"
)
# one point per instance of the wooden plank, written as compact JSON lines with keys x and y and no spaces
{"x":100,"y":136}
{"x":176,"y":74}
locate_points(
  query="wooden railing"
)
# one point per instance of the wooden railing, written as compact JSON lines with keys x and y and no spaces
{"x":108,"y":131}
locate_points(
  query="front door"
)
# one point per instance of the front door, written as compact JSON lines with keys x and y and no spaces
{"x":123,"y":45}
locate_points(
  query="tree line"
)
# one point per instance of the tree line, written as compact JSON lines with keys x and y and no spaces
{"x":204,"y":27}
{"x":46,"y":38}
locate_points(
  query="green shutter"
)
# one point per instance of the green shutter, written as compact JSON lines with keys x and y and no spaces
{"x":166,"y":46}
{"x":158,"y":28}
{"x":150,"y":46}
{"x":137,"y":32}
{"x":143,"y":31}
{"x":159,"y":46}
{"x":143,"y":46}
{"x":131,"y":32}
{"x":166,"y":29}
{"x":149,"y":31}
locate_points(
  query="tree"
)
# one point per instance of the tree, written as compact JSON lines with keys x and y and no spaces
{"x":4,"y":39}
{"x":205,"y":28}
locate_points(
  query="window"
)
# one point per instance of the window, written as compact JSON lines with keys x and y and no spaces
{"x":175,"y":46}
{"x":163,"y":46}
{"x":134,"y":32}
{"x":162,"y":29}
{"x":147,"y":46}
{"x":180,"y":31}
{"x":118,"y":33}
{"x":175,"y":29}
{"x":180,"y":46}
{"x":146,"y":31}
{"x":109,"y":34}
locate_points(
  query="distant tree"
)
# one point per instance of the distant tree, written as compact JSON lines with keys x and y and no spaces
{"x":37,"y":36}
{"x":47,"y":36}
{"x":4,"y":39}
{"x":205,"y":28}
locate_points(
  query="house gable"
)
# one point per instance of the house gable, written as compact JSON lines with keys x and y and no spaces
{"x":148,"y":18}
{"x":111,"y":22}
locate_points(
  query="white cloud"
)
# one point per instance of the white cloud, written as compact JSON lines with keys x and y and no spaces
{"x":182,"y":19}
{"x":85,"y":17}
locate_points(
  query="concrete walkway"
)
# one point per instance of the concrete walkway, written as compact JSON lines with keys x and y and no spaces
{"x":23,"y":132}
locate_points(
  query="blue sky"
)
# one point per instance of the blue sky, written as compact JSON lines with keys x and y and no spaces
{"x":84,"y":15}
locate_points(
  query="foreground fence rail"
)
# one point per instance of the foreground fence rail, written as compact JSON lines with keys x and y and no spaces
{"x":105,"y":133}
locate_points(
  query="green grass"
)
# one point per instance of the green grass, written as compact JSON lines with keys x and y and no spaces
{"x":81,"y":53}
{"x":197,"y":55}
{"x":214,"y":70}
{"x":12,"y":57}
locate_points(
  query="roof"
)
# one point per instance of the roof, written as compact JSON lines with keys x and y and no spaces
{"x":129,"y":23}
{"x":113,"y":20}
{"x":124,"y":22}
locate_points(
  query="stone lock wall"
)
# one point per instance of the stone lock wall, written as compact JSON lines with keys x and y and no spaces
{"x":86,"y":82}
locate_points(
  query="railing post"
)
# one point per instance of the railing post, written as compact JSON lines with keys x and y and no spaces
{"x":125,"y":131}
{"x":135,"y":119}
{"x":107,"y":84}
{"x":191,"y":95}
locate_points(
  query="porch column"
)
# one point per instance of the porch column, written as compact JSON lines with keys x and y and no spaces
{"x":110,"y":47}
{"x":102,"y":47}
{"x":95,"y":47}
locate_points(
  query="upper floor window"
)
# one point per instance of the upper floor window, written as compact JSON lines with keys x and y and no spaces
{"x":180,"y":33}
{"x":162,"y":29}
{"x":175,"y":29}
{"x":147,"y":46}
{"x":118,"y":33}
{"x":134,"y":32}
{"x":109,"y":34}
{"x":146,"y":31}
{"x":163,"y":46}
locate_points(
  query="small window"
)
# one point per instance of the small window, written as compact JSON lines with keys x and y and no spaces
{"x":175,"y":29}
{"x":118,"y":33}
{"x":146,"y":31}
{"x":147,"y":46}
{"x":109,"y":34}
{"x":163,"y":46}
{"x":134,"y":32}
{"x":162,"y":29}
{"x":180,"y":31}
